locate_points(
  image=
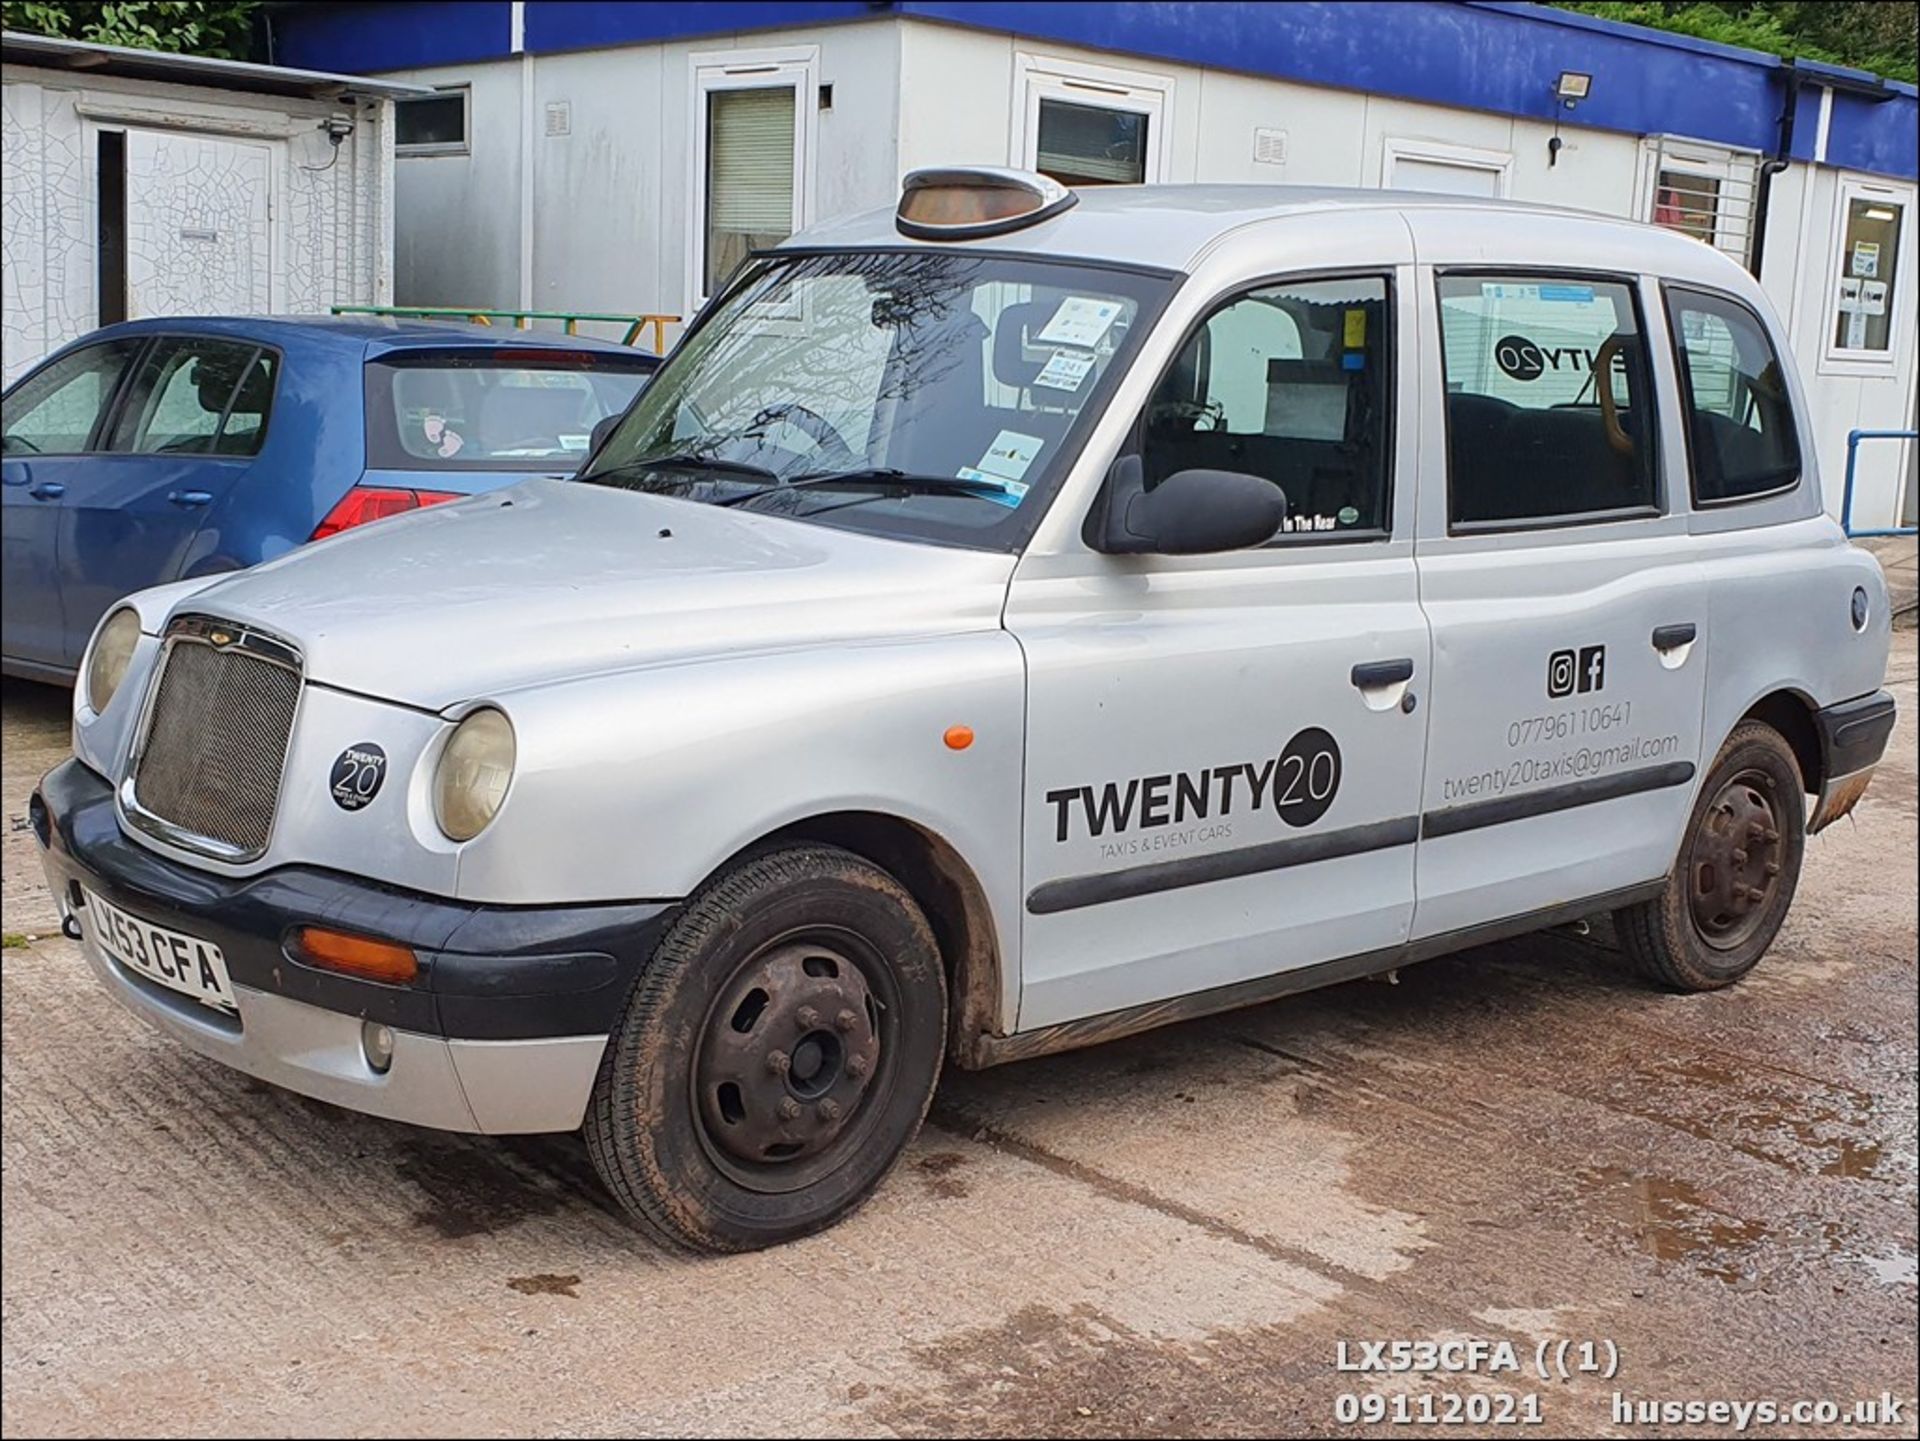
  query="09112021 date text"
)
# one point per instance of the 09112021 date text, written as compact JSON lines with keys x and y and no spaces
{"x":1438,"y":1408}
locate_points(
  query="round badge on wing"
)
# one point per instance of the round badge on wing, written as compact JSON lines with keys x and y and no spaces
{"x":357,"y":774}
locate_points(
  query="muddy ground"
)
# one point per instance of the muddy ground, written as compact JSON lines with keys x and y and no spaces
{"x":1167,"y":1235}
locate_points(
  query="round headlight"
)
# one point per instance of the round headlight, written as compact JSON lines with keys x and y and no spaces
{"x":112,"y":650}
{"x":472,"y":777}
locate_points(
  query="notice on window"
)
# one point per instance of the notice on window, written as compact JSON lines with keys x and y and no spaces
{"x":1079,"y":321}
{"x":1065,"y":370}
{"x":1866,"y":259}
{"x":1010,"y":455}
{"x":1873,"y":297}
{"x":1012,"y":492}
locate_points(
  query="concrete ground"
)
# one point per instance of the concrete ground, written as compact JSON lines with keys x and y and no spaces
{"x":1168,"y":1235}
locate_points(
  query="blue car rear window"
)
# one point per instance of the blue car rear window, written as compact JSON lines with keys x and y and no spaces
{"x":499,"y":411}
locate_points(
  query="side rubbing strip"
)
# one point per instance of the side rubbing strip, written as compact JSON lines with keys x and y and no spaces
{"x":1456,"y":819}
{"x":1073,"y":892}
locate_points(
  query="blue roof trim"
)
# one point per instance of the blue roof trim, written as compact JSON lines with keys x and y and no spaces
{"x":1499,"y":58}
{"x":1488,"y":55}
{"x":367,"y":39}
{"x":583,"y":24}
{"x":1639,"y":34}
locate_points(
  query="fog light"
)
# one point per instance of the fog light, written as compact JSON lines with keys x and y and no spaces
{"x":376,"y":1041}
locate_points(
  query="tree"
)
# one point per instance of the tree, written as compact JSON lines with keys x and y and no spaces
{"x":221,"y":28}
{"x":1876,"y":35}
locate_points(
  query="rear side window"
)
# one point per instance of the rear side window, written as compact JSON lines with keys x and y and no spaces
{"x":494,"y":411}
{"x":1288,"y":383}
{"x":54,"y":411}
{"x":1549,"y":401}
{"x":194,"y":395}
{"x":1740,"y":432}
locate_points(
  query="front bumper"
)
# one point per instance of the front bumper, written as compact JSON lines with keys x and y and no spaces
{"x":502,"y":1033}
{"x":1853,"y":737}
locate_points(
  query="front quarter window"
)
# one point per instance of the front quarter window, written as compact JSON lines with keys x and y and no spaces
{"x":934,"y":395}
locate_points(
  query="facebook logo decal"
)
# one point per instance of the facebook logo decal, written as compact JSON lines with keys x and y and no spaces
{"x":1582,"y":671}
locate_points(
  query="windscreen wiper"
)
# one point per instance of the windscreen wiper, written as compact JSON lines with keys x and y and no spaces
{"x":886,"y":478}
{"x":682,"y":461}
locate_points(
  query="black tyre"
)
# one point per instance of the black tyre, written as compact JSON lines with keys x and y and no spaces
{"x":776,"y":1056}
{"x":1735,"y":875}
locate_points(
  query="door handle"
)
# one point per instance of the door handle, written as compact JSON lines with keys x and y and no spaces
{"x":48,"y":490}
{"x":1374,"y":674}
{"x":1672,"y":637}
{"x":189,"y":497}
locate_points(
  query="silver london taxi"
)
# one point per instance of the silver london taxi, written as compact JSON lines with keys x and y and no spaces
{"x":1007,"y":622}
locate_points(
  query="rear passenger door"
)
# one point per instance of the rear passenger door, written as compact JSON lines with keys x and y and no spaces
{"x":1569,"y":618}
{"x":186,"y":428}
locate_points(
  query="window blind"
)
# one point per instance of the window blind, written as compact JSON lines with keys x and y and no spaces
{"x":1091,"y":144}
{"x":750,"y":161}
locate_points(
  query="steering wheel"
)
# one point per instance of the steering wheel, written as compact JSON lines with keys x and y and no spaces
{"x":833,"y":445}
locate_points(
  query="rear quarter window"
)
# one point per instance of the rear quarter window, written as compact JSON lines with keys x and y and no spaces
{"x":496,"y":411}
{"x":1741,"y":438}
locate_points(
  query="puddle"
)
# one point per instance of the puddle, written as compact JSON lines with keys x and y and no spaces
{"x":1805,"y":1126}
{"x":1676,"y":1224}
{"x":1894,"y":1270}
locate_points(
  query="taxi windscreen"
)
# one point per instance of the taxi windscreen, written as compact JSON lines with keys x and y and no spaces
{"x":925,"y":394}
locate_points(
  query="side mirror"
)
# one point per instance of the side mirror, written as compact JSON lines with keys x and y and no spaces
{"x":1192,"y":512}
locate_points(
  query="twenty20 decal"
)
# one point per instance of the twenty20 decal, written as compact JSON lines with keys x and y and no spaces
{"x":1300,"y":783}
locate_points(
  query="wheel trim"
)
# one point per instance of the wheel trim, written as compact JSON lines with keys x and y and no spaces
{"x":1734,"y":862}
{"x":794,"y":1058}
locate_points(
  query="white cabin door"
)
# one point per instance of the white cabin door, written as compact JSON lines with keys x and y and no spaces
{"x":199,"y":224}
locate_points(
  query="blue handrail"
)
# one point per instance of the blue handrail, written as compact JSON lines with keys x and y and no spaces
{"x":1854,"y":437}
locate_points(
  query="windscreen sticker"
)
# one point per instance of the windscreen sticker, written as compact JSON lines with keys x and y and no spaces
{"x":1080,"y":320}
{"x":1009,"y":492}
{"x":1354,"y":330}
{"x":575,"y":442}
{"x":1066,"y":370}
{"x":1010,"y":455}
{"x":1578,"y":294}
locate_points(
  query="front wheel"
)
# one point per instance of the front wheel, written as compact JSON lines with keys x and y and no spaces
{"x":1739,"y":863}
{"x":776,"y":1056}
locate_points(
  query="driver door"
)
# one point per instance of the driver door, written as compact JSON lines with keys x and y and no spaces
{"x":51,"y":418}
{"x":1224,"y":752}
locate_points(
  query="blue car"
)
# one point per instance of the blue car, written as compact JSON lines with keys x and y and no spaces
{"x":162,"y":449}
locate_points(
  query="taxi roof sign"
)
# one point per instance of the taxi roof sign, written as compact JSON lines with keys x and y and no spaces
{"x":964,"y":203}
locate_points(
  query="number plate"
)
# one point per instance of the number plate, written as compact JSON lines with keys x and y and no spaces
{"x":167,"y":958}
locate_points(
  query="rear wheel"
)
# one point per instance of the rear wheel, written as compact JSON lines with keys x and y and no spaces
{"x":1738,"y":866}
{"x":777,"y":1054}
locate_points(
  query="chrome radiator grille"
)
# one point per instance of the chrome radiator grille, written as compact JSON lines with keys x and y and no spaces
{"x":207,"y":774}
